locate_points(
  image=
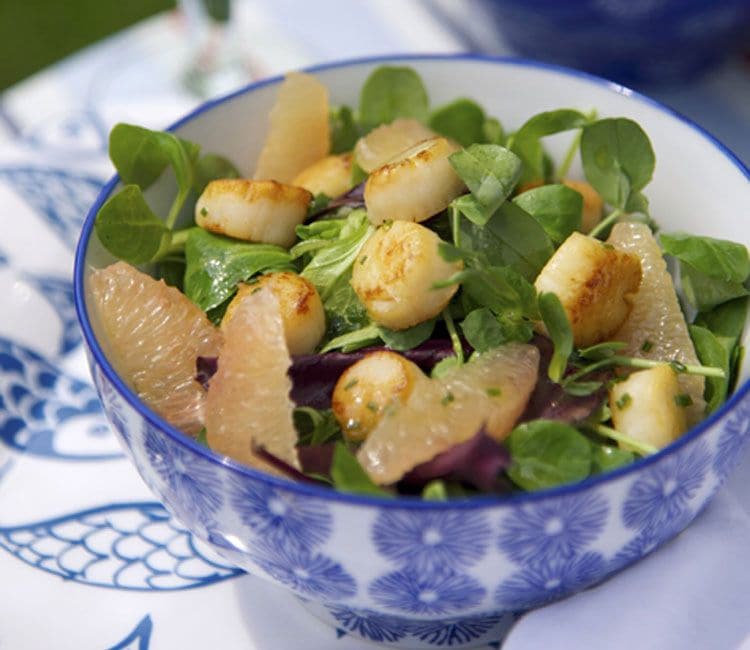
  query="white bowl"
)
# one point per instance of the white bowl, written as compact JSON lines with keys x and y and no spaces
{"x":422,"y":574}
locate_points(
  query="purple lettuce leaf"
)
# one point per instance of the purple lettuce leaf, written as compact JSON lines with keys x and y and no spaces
{"x":354,"y":198}
{"x":478,"y":462}
{"x":549,"y":400}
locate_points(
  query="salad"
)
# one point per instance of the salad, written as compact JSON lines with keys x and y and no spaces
{"x":414,"y":300}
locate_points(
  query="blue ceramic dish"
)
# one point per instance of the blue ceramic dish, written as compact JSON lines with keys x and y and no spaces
{"x":632,"y":41}
{"x":406,"y":572}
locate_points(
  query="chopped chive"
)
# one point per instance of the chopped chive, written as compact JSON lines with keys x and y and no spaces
{"x":678,"y":366}
{"x":624,"y":401}
{"x":683,"y":400}
{"x":372,"y":406}
{"x":447,"y":399}
{"x":363,"y":260}
{"x":493,"y":392}
{"x":351,"y":384}
{"x":204,"y":212}
{"x":647,"y":345}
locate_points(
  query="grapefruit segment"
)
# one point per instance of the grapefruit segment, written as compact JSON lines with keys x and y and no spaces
{"x":490,"y":392}
{"x":299,"y":129}
{"x":656,"y":328}
{"x":153,"y":334}
{"x":248,"y":404}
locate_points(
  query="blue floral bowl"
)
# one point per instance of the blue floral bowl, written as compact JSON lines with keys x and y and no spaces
{"x":418,"y":574}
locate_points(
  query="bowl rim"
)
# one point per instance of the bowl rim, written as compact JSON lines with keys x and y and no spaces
{"x":405,"y":502}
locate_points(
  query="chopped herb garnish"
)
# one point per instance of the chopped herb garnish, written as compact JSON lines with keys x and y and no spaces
{"x":372,"y":406}
{"x":624,"y":401}
{"x":447,"y":399}
{"x":351,"y":384}
{"x":493,"y":392}
{"x":683,"y":400}
{"x":647,"y":345}
{"x":204,"y":212}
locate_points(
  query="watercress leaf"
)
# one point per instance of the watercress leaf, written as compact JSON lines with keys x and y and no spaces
{"x":557,"y":208}
{"x":344,"y":310}
{"x":559,"y":330}
{"x":617,"y":158}
{"x":600,"y":351}
{"x":637,"y":202}
{"x":212,"y":167}
{"x":354,"y":340}
{"x":512,"y":237}
{"x":216,"y":264}
{"x":716,"y":258}
{"x":172,"y":271}
{"x":391,"y":92}
{"x":315,"y":426}
{"x":713,"y":351}
{"x":141,"y":155}
{"x":348,"y":475}
{"x":490,"y":172}
{"x":344,"y":130}
{"x":606,"y":458}
{"x":705,"y":292}
{"x":408,"y":338}
{"x":435,"y":490}
{"x":128,"y":228}
{"x":359,"y":175}
{"x":319,"y":203}
{"x":492,"y":131}
{"x":462,"y":120}
{"x":501,"y":289}
{"x":727,"y":319}
{"x":323,"y":229}
{"x":547,"y":453}
{"x":482,"y":330}
{"x":444,"y":367}
{"x":526,"y":143}
{"x":472,"y":209}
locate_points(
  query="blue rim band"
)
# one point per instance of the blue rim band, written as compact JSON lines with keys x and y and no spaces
{"x":481,"y":501}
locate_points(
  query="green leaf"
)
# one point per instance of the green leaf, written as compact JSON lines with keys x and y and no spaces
{"x":344,"y":130}
{"x":483,"y":331}
{"x":547,"y":453}
{"x":558,"y":327}
{"x":202,"y":437}
{"x":716,"y":258}
{"x":501,"y":289}
{"x":462,"y":120}
{"x":512,"y":237}
{"x":526,"y":143}
{"x":216,"y":264}
{"x":128,"y":228}
{"x":444,"y":367}
{"x":315,"y":426}
{"x":704,"y":292}
{"x":172,"y":271}
{"x":728,"y":319}
{"x":391,"y":92}
{"x":490,"y":172}
{"x":492,"y":132}
{"x":558,"y":208}
{"x":319,"y":202}
{"x":348,"y":475}
{"x":212,"y":167}
{"x":141,"y":155}
{"x":409,"y":338}
{"x":435,"y":491}
{"x":617,"y":158}
{"x":354,"y":340}
{"x":713,"y":351}
{"x":606,"y":458}
{"x":331,"y":262}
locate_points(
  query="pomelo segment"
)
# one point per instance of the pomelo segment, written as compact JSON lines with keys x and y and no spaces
{"x":299,"y":133}
{"x":490,"y":392}
{"x":248,"y":404}
{"x":656,"y":328}
{"x":152,"y":334}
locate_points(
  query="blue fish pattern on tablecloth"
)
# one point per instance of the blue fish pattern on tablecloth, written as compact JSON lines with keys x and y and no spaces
{"x":59,"y":293}
{"x":130,"y":546}
{"x":62,"y":199}
{"x":45,"y":412}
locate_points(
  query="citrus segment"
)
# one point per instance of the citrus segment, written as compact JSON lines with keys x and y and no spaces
{"x":153,"y":334}
{"x":656,"y":328}
{"x":490,"y":392}
{"x":299,"y":129}
{"x":248,"y":404}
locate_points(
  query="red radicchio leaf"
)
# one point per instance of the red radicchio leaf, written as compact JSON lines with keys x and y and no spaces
{"x":354,"y":198}
{"x":205,"y":368}
{"x":478,"y":461}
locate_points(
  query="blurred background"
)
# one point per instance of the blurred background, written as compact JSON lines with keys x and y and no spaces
{"x":167,"y":55}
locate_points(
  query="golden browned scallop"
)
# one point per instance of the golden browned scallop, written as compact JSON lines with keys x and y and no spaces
{"x":595,"y":283}
{"x":593,"y":205}
{"x":299,"y":304}
{"x":395,"y":272}
{"x":385,"y":142}
{"x":257,"y":211}
{"x":331,"y":176}
{"x":415,"y":185}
